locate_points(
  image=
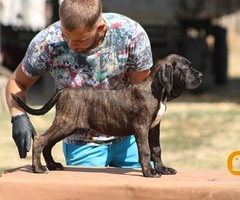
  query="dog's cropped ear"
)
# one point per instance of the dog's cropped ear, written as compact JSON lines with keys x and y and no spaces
{"x":166,"y":75}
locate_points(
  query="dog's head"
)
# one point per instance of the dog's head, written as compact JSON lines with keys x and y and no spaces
{"x":176,"y":75}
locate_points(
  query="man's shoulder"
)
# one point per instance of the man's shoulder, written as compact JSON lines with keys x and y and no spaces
{"x":47,"y":40}
{"x":50,"y":32}
{"x":117,"y":17}
{"x":113,"y":15}
{"x":52,"y":29}
{"x":122,"y":22}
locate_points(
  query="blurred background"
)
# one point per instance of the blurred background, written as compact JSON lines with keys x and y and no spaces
{"x":200,"y":128}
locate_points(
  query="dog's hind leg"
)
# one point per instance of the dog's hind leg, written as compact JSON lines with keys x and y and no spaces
{"x":47,"y":154}
{"x":38,"y":145}
{"x":44,"y":143}
{"x":155,"y":148}
{"x":58,"y":135}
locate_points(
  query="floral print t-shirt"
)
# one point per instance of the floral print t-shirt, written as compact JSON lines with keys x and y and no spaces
{"x":126,"y":45}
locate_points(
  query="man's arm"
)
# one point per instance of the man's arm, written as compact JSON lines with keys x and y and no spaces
{"x":22,"y":129}
{"x":136,"y":77}
{"x":18,"y":84}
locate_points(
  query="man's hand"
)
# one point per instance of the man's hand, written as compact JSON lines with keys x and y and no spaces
{"x":22,"y":132}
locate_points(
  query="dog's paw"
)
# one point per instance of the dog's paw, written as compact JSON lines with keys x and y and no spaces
{"x":55,"y":166}
{"x":166,"y":170}
{"x":152,"y":173}
{"x":171,"y":170}
{"x":40,"y":169}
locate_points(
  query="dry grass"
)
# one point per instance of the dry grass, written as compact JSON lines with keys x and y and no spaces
{"x":9,"y":154}
{"x":200,"y":135}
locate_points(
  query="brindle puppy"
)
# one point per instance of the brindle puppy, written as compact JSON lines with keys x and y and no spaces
{"x":137,"y":109}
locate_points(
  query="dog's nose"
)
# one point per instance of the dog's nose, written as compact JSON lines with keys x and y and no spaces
{"x":200,"y":75}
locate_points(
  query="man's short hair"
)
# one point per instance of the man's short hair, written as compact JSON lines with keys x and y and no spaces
{"x":75,"y":14}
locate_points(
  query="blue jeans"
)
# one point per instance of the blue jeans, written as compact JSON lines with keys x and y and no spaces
{"x":123,"y":153}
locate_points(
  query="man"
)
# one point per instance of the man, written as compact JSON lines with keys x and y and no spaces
{"x":85,"y":48}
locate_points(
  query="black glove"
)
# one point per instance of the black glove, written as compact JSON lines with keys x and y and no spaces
{"x":22,"y":132}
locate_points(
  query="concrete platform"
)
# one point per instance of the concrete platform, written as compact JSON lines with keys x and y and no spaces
{"x":76,"y":183}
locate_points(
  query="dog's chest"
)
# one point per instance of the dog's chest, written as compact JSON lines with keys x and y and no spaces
{"x":160,"y":113}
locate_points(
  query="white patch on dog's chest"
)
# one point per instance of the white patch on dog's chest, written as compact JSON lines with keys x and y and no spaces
{"x":161,"y":111}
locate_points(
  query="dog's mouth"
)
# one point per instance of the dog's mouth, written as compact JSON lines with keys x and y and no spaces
{"x":195,"y":82}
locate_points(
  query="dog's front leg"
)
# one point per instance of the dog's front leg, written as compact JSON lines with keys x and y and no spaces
{"x":155,"y":148}
{"x":144,"y":154}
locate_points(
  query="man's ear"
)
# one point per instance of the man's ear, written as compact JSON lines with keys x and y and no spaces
{"x":101,"y":26}
{"x":166,"y":75}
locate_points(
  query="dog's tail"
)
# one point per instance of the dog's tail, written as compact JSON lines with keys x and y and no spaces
{"x":40,"y":111}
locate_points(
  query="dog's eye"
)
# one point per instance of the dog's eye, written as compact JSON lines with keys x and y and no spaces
{"x":185,"y":62}
{"x":186,"y":69}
